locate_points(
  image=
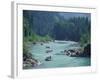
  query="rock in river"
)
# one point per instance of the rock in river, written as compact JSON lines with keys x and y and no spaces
{"x":48,"y":58}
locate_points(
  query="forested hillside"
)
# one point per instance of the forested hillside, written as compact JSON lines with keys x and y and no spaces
{"x":55,"y":26}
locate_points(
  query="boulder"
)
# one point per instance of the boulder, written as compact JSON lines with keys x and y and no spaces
{"x":48,"y":51}
{"x":29,"y":63}
{"x":47,"y":46}
{"x":41,"y":43}
{"x":48,"y":58}
{"x":81,"y":52}
{"x":74,"y":52}
{"x":34,"y":43}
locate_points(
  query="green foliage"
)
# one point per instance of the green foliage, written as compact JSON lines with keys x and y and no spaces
{"x":26,"y":38}
{"x":29,"y":35}
{"x":71,"y":29}
{"x":37,"y":38}
{"x":55,"y":27}
{"x":85,"y":39}
{"x":26,"y":30}
{"x":26,"y":54}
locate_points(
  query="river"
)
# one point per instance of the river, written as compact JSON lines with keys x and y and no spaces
{"x":57,"y":47}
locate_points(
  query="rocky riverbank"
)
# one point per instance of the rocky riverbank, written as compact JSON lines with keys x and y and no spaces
{"x":29,"y":61}
{"x":51,"y":53}
{"x":79,"y":52}
{"x":28,"y":58}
